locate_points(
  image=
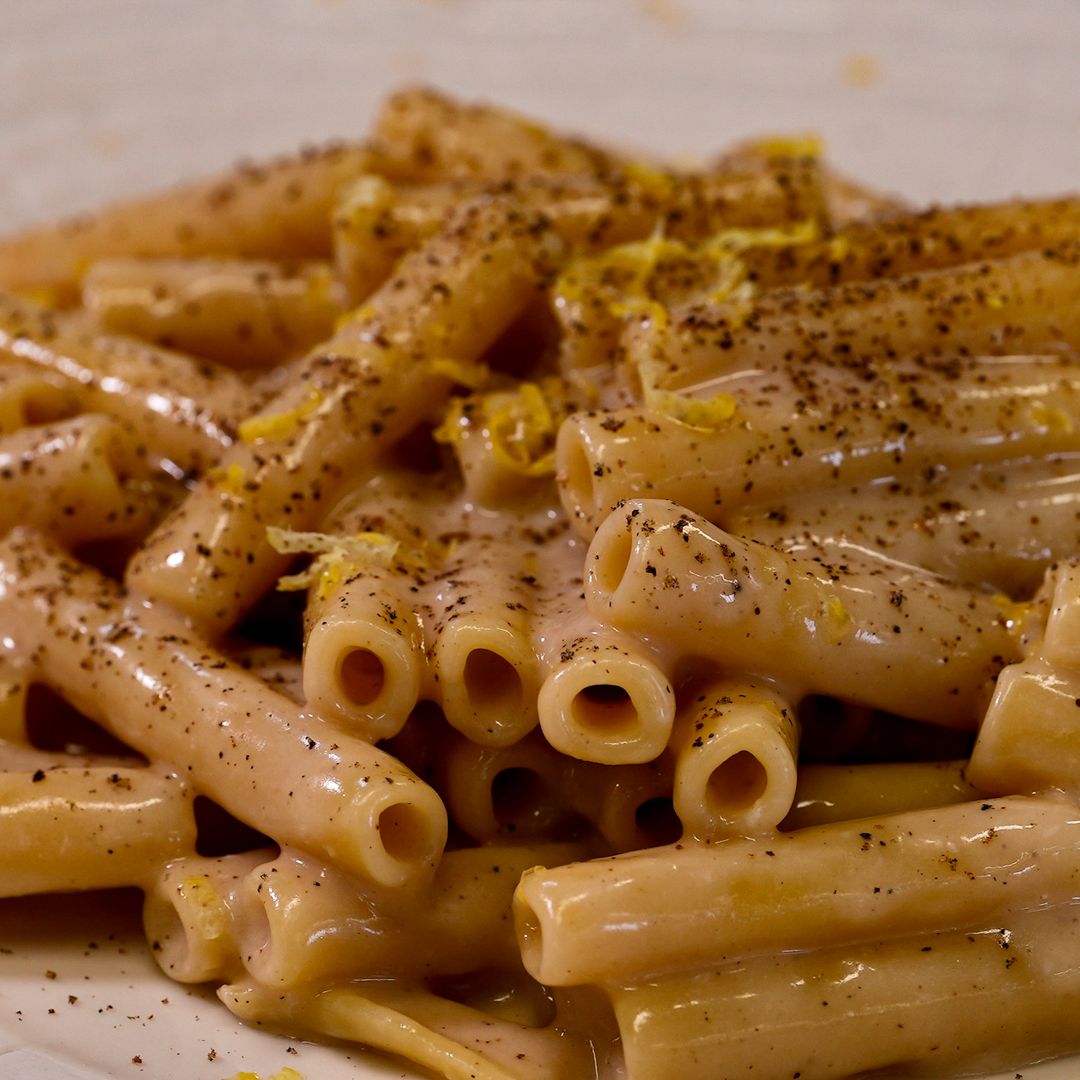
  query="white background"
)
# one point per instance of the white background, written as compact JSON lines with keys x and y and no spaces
{"x":102,"y":98}
{"x":965,"y":99}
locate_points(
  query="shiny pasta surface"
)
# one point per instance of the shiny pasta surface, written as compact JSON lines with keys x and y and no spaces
{"x":541,"y":614}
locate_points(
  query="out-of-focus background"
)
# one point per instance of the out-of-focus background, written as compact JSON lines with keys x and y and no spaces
{"x":935,"y":99}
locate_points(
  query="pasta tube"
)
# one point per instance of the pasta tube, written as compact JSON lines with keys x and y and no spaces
{"x":422,"y":135}
{"x":937,"y":999}
{"x":493,"y":793}
{"x":63,"y":829}
{"x":483,"y":664}
{"x":184,"y":408}
{"x":367,"y":237}
{"x":136,"y":670}
{"x":531,"y":791}
{"x":503,"y":441}
{"x":363,"y":662}
{"x":300,"y":921}
{"x":453,"y":1041}
{"x":376,"y":222}
{"x":620,"y":919}
{"x":607,"y":699}
{"x":775,"y":433}
{"x":872,"y":633}
{"x":279,"y":209}
{"x":189,"y":916}
{"x":735,"y":745}
{"x":630,"y":805}
{"x":239,"y":313}
{"x":1019,"y":304}
{"x":995,"y":526}
{"x":361,"y":392}
{"x":1030,"y":736}
{"x":914,"y":241}
{"x":68,"y":479}
{"x":826,"y":793}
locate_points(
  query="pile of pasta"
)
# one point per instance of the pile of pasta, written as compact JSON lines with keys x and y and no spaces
{"x":548,"y":615}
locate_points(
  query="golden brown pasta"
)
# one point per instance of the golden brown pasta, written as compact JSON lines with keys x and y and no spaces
{"x":279,"y":209}
{"x":239,"y":313}
{"x":549,"y":616}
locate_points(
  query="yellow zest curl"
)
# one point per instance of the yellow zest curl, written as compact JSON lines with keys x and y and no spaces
{"x":473,"y":376}
{"x":334,"y":556}
{"x":807,"y":145}
{"x":280,"y":425}
{"x":517,"y":425}
{"x":207,"y":906}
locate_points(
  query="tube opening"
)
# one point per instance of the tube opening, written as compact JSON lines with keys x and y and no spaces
{"x":362,"y":676}
{"x":183,"y":927}
{"x":403,"y":830}
{"x":605,"y":709}
{"x":736,"y":783}
{"x":657,"y":822}
{"x":612,"y":560}
{"x":492,"y":683}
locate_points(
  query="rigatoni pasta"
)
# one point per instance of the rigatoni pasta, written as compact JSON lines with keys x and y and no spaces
{"x":551,"y":616}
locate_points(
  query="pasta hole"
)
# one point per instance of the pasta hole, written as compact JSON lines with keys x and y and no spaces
{"x":657,"y":822}
{"x":403,"y":829}
{"x":174,"y":920}
{"x":362,"y":676}
{"x":612,"y":561}
{"x":492,"y":682}
{"x":736,"y":783}
{"x":579,"y":479}
{"x":605,"y":709}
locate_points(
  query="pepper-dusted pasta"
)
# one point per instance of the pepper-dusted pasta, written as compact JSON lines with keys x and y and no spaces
{"x":242,"y":313}
{"x":897,"y":639}
{"x":609,"y":591}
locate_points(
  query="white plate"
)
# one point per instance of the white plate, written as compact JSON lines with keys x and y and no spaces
{"x":973,"y":99}
{"x":78,"y":986}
